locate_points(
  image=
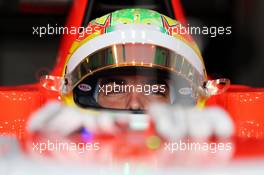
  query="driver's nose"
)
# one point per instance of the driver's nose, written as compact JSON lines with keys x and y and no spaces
{"x":135,"y":101}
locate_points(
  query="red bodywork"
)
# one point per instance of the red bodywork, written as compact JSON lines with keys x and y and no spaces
{"x":244,"y":104}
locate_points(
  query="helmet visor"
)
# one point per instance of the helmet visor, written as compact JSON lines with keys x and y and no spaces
{"x":124,"y":72}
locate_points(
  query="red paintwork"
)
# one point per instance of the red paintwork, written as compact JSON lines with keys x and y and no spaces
{"x":245,"y":104}
{"x":178,"y":11}
{"x":41,"y":9}
{"x":18,"y":102}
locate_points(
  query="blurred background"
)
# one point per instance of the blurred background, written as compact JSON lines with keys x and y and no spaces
{"x":239,"y":56}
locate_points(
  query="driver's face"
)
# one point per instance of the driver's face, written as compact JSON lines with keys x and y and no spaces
{"x":132,"y":92}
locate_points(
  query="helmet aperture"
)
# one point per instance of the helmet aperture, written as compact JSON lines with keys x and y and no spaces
{"x":133,"y":88}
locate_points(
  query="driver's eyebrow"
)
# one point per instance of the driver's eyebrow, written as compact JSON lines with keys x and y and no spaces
{"x":105,"y":81}
{"x":156,"y":81}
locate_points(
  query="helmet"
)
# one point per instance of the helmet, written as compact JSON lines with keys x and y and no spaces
{"x":138,"y":43}
{"x":133,"y":42}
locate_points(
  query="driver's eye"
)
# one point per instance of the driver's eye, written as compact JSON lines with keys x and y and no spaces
{"x":116,"y":91}
{"x":162,"y":90}
{"x":113,"y":86}
{"x":159,"y":93}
